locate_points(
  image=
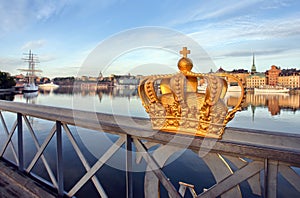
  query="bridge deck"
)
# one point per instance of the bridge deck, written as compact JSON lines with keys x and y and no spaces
{"x":13,"y":184}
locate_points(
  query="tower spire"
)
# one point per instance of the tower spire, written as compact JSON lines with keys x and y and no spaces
{"x":253,"y":68}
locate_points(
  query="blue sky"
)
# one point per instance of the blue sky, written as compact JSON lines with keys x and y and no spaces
{"x":64,"y":33}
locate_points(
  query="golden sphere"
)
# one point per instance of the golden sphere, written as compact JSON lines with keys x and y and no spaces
{"x":185,"y":64}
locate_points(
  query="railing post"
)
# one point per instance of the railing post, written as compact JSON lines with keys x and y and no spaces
{"x":129,"y":181}
{"x":59,"y":160}
{"x":270,"y":178}
{"x":20,"y":142}
{"x":266,"y":178}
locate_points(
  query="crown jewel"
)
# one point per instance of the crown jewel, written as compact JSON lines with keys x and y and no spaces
{"x":174,"y":103}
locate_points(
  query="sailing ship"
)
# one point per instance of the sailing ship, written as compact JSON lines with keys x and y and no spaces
{"x":31,"y":59}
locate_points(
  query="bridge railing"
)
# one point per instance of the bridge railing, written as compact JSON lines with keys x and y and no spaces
{"x":257,"y":157}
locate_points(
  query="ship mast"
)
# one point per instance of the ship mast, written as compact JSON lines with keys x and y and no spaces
{"x":31,"y":59}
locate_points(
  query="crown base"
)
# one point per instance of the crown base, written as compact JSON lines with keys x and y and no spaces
{"x":194,"y":132}
{"x":188,"y":127}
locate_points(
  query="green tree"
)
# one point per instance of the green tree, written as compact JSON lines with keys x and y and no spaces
{"x":6,"y":81}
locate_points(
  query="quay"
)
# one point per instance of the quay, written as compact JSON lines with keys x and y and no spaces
{"x":258,"y":158}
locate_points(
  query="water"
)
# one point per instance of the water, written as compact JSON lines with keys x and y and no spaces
{"x":279,"y":113}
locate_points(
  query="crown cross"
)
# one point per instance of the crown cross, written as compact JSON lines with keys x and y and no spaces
{"x":185,"y":52}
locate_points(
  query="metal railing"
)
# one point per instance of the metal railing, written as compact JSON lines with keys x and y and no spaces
{"x":259,"y":157}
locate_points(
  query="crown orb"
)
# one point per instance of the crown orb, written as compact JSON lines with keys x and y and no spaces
{"x":185,"y":64}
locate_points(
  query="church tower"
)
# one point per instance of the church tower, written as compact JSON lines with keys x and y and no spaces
{"x":253,"y":68}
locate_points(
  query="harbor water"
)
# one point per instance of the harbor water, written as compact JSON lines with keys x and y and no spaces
{"x":278,"y":113}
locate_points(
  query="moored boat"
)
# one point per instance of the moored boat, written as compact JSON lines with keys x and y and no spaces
{"x":271,"y":89}
{"x":48,"y":86}
{"x":30,"y":86}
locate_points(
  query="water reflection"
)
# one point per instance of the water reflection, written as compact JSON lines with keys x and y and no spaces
{"x":274,"y":102}
{"x":8,"y":97}
{"x":102,"y":92}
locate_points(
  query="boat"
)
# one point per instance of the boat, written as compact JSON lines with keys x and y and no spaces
{"x":30,"y":86}
{"x":271,"y":89}
{"x":48,"y":86}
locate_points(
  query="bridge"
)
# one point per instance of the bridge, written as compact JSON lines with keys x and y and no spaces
{"x":257,"y":158}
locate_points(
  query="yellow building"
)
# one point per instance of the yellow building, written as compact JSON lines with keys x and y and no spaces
{"x":291,"y":82}
{"x":255,"y":80}
{"x":240,"y":73}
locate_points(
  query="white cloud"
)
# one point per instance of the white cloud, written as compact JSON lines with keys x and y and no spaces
{"x":33,"y":45}
{"x":274,"y":4}
{"x":228,"y":8}
{"x":211,"y":10}
{"x":16,"y":14}
{"x":243,"y":30}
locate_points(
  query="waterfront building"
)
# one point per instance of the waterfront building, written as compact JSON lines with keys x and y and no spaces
{"x":289,"y":78}
{"x":84,"y":78}
{"x":241,"y":73}
{"x":256,"y":80}
{"x":126,"y":81}
{"x":272,"y":75}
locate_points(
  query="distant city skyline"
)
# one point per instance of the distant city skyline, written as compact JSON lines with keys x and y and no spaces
{"x":63,"y":33}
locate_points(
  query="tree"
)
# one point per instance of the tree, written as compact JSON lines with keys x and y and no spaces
{"x":6,"y":81}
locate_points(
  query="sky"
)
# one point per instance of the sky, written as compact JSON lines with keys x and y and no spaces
{"x":75,"y":37}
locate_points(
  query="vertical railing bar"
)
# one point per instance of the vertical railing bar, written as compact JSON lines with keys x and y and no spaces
{"x":266,"y":178}
{"x":87,"y":167}
{"x":272,"y":178}
{"x":129,"y":179}
{"x":155,"y":168}
{"x":103,"y":159}
{"x":7,"y":133}
{"x":41,"y":149}
{"x":59,"y":160}
{"x":20,"y":143}
{"x":37,"y":145}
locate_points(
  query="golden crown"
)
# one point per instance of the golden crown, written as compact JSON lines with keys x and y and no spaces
{"x":175,"y":104}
